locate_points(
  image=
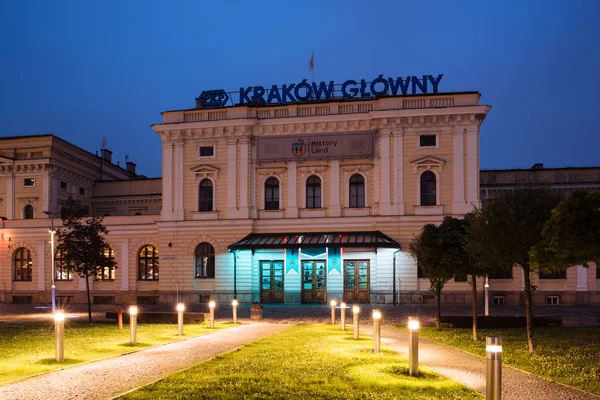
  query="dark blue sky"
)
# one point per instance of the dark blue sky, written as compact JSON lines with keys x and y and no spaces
{"x":82,"y":69}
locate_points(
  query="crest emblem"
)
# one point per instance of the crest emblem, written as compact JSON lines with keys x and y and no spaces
{"x":299,"y":148}
{"x":213,"y":98}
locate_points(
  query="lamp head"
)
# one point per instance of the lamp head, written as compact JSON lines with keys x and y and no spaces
{"x":333,"y":303}
{"x":343,"y":305}
{"x":212,"y":304}
{"x":133,"y":310}
{"x":413,"y":324}
{"x":234,"y":302}
{"x":376,"y":314}
{"x":59,"y":316}
{"x":356,"y":309}
{"x":180,"y":307}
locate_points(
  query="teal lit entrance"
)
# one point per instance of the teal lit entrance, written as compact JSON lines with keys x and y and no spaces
{"x":356,"y":281}
{"x":271,"y":281}
{"x":313,"y":281}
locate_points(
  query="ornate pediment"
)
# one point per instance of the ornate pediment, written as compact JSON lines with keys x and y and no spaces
{"x":427,"y":162}
{"x":205,"y":171}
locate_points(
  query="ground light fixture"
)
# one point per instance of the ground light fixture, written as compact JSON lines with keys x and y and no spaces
{"x":133,"y":311}
{"x":211,"y":306}
{"x":493,"y":349}
{"x":486,"y":293}
{"x":376,"y":330}
{"x":333,"y":303}
{"x":355,"y":312}
{"x":180,"y":310}
{"x":413,"y":346}
{"x":59,"y":333}
{"x":343,"y":315}
{"x":234,"y":305}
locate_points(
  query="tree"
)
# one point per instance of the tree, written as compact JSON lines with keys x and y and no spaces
{"x":83,"y":244}
{"x":437,"y":257}
{"x":572,"y":235}
{"x":502,"y":233}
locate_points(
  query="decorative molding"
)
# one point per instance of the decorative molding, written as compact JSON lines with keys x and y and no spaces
{"x":205,"y":171}
{"x":427,"y":162}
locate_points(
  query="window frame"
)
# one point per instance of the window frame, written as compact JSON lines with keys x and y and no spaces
{"x":205,"y":145}
{"x":25,"y":264}
{"x":208,"y":270}
{"x":29,"y":206}
{"x":212,"y":197}
{"x":313,"y":186}
{"x":273,"y":202}
{"x":60,"y":186}
{"x":435,"y":186}
{"x":100,"y":271}
{"x":435,"y":146}
{"x":146,"y":261}
{"x":554,"y":274}
{"x":59,"y":269}
{"x":357,"y":197}
{"x":32,"y":182}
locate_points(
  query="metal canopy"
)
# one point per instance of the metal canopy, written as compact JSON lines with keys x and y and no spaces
{"x":256,"y":241}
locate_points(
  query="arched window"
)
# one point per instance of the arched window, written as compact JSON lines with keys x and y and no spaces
{"x":106,"y":273}
{"x":313,"y":192}
{"x":205,"y":261}
{"x":205,"y":196}
{"x":428,"y":195}
{"x":28,"y":212}
{"x":63,"y":273}
{"x":23,"y":264}
{"x":148,"y":263}
{"x":272,"y":194}
{"x":357,"y":191}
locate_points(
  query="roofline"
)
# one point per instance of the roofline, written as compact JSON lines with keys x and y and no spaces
{"x":540,"y":169}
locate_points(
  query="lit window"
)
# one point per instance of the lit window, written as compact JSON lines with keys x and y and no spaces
{"x":357,"y":191}
{"x":207,"y":151}
{"x":428,"y":184}
{"x":23,"y":264}
{"x":205,"y":261}
{"x":63,"y":273}
{"x":107,"y":272}
{"x":148,"y":263}
{"x":313,"y":192}
{"x":427,"y":140}
{"x":272,"y":194}
{"x":205,"y":196}
{"x":29,"y":182}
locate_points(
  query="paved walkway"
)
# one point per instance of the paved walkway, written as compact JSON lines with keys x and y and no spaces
{"x":470,"y":370}
{"x":108,"y":378}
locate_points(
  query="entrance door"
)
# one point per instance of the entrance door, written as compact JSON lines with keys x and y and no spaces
{"x":271,"y":281}
{"x":313,"y":282}
{"x":356,"y":281}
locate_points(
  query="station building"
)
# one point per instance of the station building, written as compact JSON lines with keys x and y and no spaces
{"x":283,"y":203}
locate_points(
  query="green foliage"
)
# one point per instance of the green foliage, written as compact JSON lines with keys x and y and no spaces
{"x":572,"y":235}
{"x":565,"y":354}
{"x":306,"y":362}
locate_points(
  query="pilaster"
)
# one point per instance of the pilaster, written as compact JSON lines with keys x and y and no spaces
{"x":460,"y":205}
{"x":231,"y":178}
{"x":385,"y":207}
{"x":292,"y":178}
{"x":124,"y":265}
{"x":335,"y":209}
{"x":179,"y":214}
{"x":41,"y":266}
{"x":10,"y":197}
{"x":399,"y":176}
{"x":167,"y":182}
{"x":582,"y":278}
{"x":244,"y":149}
{"x":473,"y":166}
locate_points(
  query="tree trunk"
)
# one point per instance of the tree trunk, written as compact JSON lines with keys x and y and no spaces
{"x":474,"y":306}
{"x":529,"y":308}
{"x":87,"y":287}
{"x":438,"y":307}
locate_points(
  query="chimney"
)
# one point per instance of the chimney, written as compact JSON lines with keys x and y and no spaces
{"x":131,"y":167}
{"x":107,"y":155}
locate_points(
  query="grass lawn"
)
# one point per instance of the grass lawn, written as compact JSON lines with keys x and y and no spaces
{"x":305,"y":362}
{"x":564,"y":354}
{"x":28,"y":348}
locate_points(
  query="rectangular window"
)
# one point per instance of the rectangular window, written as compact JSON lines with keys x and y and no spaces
{"x":427,"y":140}
{"x":552,"y":300}
{"x":29,"y":182}
{"x":207,"y":151}
{"x":64,"y":185}
{"x":498,"y":301}
{"x":82,"y":191}
{"x":501,"y":275}
{"x":553,"y":274}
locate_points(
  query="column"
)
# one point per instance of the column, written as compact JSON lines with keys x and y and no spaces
{"x":473,"y":166}
{"x":231,"y":177}
{"x":292,"y":207}
{"x":385,"y":205}
{"x":335,"y":209}
{"x":124,"y":265}
{"x":178,"y":189}
{"x":244,"y":148}
{"x":253,"y":213}
{"x":10,"y":196}
{"x":460,"y":206}
{"x":582,"y":279}
{"x":46,"y":206}
{"x":41,"y":266}
{"x":399,"y":176}
{"x":167,"y":181}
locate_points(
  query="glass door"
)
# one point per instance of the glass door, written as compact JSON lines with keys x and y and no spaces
{"x":313,"y":281}
{"x":356,"y":281}
{"x":271,"y":281}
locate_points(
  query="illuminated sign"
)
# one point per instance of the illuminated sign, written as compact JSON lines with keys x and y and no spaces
{"x":306,"y":92}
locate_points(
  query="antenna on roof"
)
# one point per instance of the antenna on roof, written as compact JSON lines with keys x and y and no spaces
{"x":126,"y":157}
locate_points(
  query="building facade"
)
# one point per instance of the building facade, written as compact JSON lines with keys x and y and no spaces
{"x":297,"y":203}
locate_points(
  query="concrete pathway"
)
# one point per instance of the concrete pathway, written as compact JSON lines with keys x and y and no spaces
{"x":470,"y":369}
{"x":108,"y":378}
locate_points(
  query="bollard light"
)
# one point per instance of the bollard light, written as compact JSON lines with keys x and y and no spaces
{"x":343,"y":315}
{"x":493,"y":348}
{"x":180,"y":310}
{"x":486,"y":292}
{"x":59,"y":332}
{"x":355,"y":311}
{"x":413,"y":346}
{"x":234,"y":304}
{"x":333,"y":303}
{"x":133,"y":311}
{"x":376,"y":330}
{"x":211,"y":306}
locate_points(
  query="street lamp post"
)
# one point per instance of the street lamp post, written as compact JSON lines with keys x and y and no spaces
{"x":52,"y":233}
